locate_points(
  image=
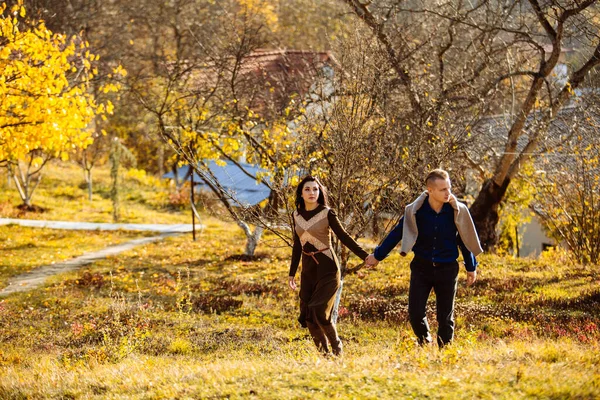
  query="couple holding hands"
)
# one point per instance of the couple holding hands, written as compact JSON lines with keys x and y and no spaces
{"x":434,"y":227}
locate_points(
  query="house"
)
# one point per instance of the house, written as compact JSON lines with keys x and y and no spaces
{"x":574,"y":124}
{"x":242,"y":187}
{"x":265,"y":82}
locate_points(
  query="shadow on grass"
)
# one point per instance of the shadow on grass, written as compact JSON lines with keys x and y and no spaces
{"x":248,"y":258}
{"x":589,"y":302}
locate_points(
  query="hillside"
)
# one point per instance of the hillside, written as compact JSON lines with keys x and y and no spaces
{"x":184,"y":319}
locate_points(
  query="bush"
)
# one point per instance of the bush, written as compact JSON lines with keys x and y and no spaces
{"x":215,"y":304}
{"x":180,"y":199}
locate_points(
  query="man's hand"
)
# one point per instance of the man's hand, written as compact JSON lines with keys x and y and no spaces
{"x":471,"y":277}
{"x":371,"y":261}
{"x":292,"y":283}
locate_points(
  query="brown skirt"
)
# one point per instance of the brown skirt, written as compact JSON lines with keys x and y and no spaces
{"x":318,"y":285}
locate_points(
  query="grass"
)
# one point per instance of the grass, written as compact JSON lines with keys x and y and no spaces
{"x":63,"y":194}
{"x":181,"y":319}
{"x":24,"y":249}
{"x":184,"y":319}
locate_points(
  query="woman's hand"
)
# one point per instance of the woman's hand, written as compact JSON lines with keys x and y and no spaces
{"x":292,"y":283}
{"x":371,"y":261}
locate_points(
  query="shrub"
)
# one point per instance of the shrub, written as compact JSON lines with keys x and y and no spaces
{"x":215,"y":304}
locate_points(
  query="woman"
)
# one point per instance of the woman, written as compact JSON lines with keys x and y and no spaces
{"x":320,"y":276}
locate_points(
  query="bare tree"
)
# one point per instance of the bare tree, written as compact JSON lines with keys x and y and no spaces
{"x":348,"y":137}
{"x":89,"y":158}
{"x":567,"y":184}
{"x":208,"y":103}
{"x":460,"y":61}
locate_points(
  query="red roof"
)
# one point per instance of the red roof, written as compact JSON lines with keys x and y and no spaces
{"x":265,"y":79}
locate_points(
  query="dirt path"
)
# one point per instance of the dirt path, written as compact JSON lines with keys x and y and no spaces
{"x":38,"y":276}
{"x":92,"y":226}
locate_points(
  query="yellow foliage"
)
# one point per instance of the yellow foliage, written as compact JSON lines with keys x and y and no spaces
{"x":43,"y":106}
{"x":262,"y":8}
{"x":514,"y":212}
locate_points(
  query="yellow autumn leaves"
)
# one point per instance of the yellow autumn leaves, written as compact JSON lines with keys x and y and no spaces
{"x":264,"y":9}
{"x":45,"y":89}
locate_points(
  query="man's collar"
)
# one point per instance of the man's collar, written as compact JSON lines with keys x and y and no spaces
{"x":423,"y":198}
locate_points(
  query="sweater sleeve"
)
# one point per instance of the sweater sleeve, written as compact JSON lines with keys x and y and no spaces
{"x":390,"y":241}
{"x":296,"y":253}
{"x":345,"y":238}
{"x":470,"y":260}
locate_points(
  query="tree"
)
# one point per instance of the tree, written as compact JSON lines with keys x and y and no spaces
{"x":118,"y":154}
{"x":349,"y":138}
{"x":46,"y":105}
{"x":539,"y":105}
{"x":568,"y":205}
{"x":459,"y":61}
{"x":197,"y":97}
{"x":113,"y":30}
{"x":567,"y":185}
{"x":88,"y":157}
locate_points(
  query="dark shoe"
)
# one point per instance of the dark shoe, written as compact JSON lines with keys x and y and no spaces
{"x":334,"y":339}
{"x":318,"y":337}
{"x":443,"y":343}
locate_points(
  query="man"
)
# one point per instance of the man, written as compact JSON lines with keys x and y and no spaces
{"x":434,"y":227}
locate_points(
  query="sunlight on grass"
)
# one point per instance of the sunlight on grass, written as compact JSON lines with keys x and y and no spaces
{"x":185,"y":319}
{"x":23,"y":249}
{"x":63,"y":194}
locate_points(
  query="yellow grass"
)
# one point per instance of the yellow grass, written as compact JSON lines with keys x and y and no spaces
{"x":184,"y":319}
{"x":23,"y":249}
{"x":63,"y":193}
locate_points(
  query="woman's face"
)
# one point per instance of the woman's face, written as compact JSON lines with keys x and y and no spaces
{"x":310,"y":193}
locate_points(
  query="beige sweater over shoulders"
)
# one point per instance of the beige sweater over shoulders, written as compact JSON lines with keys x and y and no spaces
{"x":462,"y":219}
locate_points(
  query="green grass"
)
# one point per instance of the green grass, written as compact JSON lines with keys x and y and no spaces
{"x":180,"y":319}
{"x":23,"y":249}
{"x":63,"y":194}
{"x":184,"y":319}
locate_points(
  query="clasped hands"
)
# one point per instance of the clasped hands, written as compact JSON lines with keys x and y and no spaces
{"x":371,"y":261}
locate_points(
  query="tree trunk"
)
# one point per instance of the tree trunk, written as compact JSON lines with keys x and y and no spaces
{"x":253,"y":240}
{"x":161,"y":160}
{"x":485,"y":212}
{"x":115,"y":158}
{"x":24,"y":186}
{"x":88,"y":178}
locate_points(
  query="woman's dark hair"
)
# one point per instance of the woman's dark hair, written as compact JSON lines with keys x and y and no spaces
{"x":322,"y":199}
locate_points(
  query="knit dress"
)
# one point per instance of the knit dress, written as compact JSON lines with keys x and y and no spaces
{"x":320,"y":274}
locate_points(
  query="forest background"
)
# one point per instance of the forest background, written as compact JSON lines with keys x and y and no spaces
{"x":367,"y":95}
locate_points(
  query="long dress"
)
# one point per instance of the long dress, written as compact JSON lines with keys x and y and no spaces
{"x":320,"y":275}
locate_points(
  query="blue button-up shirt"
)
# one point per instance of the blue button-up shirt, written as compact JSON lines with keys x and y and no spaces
{"x":438,"y":239}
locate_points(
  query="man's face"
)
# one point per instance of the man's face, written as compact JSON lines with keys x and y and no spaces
{"x":439,"y":190}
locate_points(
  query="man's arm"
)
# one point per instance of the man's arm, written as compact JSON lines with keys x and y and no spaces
{"x":390,"y":241}
{"x":470,"y":262}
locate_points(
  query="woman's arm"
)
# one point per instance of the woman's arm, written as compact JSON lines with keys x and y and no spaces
{"x":296,"y":253}
{"x":296,"y":256}
{"x":346,"y":239}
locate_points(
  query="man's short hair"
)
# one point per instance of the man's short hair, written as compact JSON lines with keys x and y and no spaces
{"x":436,"y":174}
